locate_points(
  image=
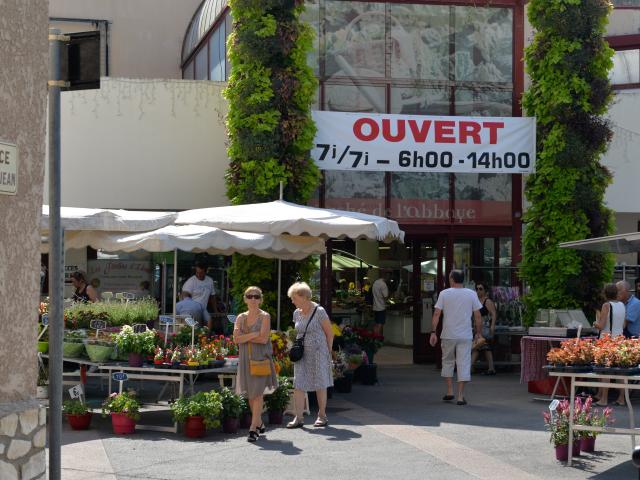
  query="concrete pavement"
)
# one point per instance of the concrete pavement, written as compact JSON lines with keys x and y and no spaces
{"x":399,"y":428}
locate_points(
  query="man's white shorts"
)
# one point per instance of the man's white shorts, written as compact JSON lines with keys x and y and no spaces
{"x":456,"y":353}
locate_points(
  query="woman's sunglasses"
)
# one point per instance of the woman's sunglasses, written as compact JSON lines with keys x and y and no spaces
{"x":479,"y":288}
{"x":254,"y":297}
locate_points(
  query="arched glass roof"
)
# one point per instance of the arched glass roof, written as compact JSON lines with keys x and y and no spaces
{"x":206,"y":15}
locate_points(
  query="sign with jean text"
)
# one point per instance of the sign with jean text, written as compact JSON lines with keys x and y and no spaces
{"x":8,"y":169}
{"x":417,"y":143}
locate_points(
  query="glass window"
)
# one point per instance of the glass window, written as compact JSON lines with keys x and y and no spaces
{"x":355,"y":191}
{"x":484,"y":44}
{"x":311,"y":15}
{"x":420,"y":197}
{"x":626,"y":67}
{"x":420,"y":41}
{"x":217,"y":55}
{"x":201,"y":64}
{"x":483,"y":103}
{"x":483,"y":199}
{"x":187,"y":71}
{"x":420,"y":101}
{"x":354,"y":98}
{"x":228,"y":25}
{"x":354,"y":39}
{"x":626,"y":3}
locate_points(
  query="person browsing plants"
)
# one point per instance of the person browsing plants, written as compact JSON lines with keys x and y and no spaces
{"x":457,"y":304}
{"x":256,"y":371}
{"x":312,"y":372}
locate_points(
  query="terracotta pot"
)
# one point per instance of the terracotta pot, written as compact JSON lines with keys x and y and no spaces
{"x":135,"y":359}
{"x":79,"y":422}
{"x":122,"y":424}
{"x":230,"y":425}
{"x":588,"y":444}
{"x":194,"y":427}
{"x":562,"y":453}
{"x":275,"y":418}
{"x":245,"y":420}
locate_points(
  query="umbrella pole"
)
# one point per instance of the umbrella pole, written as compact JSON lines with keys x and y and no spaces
{"x":175,"y":282}
{"x":279,"y":291}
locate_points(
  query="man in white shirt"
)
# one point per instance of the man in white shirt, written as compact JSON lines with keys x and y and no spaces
{"x":201,"y":288}
{"x":458,"y":304}
{"x":380,"y":293}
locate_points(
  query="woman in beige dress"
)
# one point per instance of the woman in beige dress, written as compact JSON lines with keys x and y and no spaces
{"x":252,"y":333}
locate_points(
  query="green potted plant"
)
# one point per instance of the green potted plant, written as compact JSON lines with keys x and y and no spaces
{"x":124,"y":409}
{"x":77,"y":413}
{"x":245,"y":416}
{"x":231,"y":410}
{"x":73,"y":343}
{"x":136,"y":345}
{"x":42,"y":388}
{"x":198,"y":412}
{"x":99,"y":348}
{"x":43,"y":339}
{"x":277,"y":401}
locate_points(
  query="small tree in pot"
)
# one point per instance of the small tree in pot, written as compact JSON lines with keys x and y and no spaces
{"x":231,"y":410}
{"x":198,"y":412}
{"x":277,"y":402}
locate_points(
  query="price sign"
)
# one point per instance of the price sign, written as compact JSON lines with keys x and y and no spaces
{"x":98,"y":324}
{"x":190,"y":321}
{"x":120,"y":377}
{"x":128,"y":296}
{"x":232,"y":318}
{"x":139,"y":328}
{"x":76,"y":391}
{"x":45,"y":319}
{"x":168,"y":319}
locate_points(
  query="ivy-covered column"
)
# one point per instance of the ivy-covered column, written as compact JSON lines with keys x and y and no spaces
{"x":568,"y":62}
{"x":269,"y":123}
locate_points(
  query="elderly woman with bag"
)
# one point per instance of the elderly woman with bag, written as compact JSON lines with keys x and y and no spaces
{"x":256,"y":371}
{"x":311,"y":372}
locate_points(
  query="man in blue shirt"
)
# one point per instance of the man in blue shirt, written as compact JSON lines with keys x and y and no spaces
{"x":189,"y":307}
{"x":632,"y":307}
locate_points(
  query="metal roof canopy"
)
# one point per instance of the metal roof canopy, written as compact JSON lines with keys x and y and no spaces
{"x":621,"y":243}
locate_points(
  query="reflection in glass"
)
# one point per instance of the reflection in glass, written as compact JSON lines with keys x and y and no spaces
{"x":201,"y":64}
{"x":483,"y":186}
{"x":626,"y":67}
{"x":354,"y":98}
{"x":417,"y":185}
{"x":311,"y":15}
{"x":420,"y":41}
{"x":484,"y":44}
{"x":355,"y":191}
{"x":420,"y":101}
{"x":354,"y":39}
{"x":483,"y":103}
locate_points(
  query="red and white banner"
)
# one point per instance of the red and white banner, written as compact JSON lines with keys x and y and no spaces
{"x":419,"y":143}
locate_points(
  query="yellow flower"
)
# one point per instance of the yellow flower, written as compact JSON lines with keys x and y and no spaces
{"x":336,"y":329}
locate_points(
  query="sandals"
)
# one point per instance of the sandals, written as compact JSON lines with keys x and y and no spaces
{"x":261,"y":429}
{"x":461,"y":402}
{"x":489,"y":373}
{"x":294,"y":424}
{"x":253,"y":436}
{"x":448,"y":398}
{"x":321,"y":422}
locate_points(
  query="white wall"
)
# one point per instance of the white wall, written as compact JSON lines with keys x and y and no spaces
{"x":144,"y":144}
{"x":145,"y":36}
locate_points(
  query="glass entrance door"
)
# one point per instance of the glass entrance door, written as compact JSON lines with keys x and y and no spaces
{"x":429,"y":258}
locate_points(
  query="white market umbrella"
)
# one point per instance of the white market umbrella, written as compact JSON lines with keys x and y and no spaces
{"x":429,"y":267}
{"x":279,"y":217}
{"x":621,"y":243}
{"x":101,"y":219}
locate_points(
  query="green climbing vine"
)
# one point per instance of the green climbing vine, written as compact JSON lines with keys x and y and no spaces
{"x":270,"y":92}
{"x":568,"y":63}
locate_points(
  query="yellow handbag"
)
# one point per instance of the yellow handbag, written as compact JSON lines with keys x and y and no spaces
{"x":259,"y":368}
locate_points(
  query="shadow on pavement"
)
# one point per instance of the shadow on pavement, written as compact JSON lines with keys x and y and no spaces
{"x":335,"y":434}
{"x":284,"y":447}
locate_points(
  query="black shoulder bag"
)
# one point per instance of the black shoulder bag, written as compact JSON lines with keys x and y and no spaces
{"x":297,"y":351}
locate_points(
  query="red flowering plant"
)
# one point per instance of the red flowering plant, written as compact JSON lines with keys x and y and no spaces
{"x":585,"y":414}
{"x":617,"y":352}
{"x":368,"y":340}
{"x":572,"y":352}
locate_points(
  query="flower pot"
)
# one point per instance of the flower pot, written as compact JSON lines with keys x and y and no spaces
{"x":576,"y":448}
{"x":135,"y":359}
{"x":43,"y":347}
{"x":370,"y":353}
{"x":275,"y":418}
{"x":562,"y":453}
{"x":122,"y":424}
{"x":588,"y":444}
{"x":367,"y":374}
{"x":194,"y":427}
{"x":79,"y":422}
{"x":245,"y":420}
{"x":230,"y":425}
{"x":72,"y":350}
{"x":98,"y":353}
{"x":343,"y":384}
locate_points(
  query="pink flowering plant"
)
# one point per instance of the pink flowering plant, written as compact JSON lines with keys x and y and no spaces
{"x":125,"y":402}
{"x":583,"y":414}
{"x":558,"y":424}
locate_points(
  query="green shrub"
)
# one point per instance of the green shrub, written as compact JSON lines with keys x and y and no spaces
{"x":74,"y":407}
{"x":202,"y":404}
{"x":129,"y":342}
{"x":279,"y":399}
{"x":231,"y":403}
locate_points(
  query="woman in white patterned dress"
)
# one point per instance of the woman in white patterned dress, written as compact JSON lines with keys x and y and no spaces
{"x":313,"y":372}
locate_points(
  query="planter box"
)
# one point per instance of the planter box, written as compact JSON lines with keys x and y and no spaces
{"x":43,"y":347}
{"x":98,"y":353}
{"x":72,"y":350}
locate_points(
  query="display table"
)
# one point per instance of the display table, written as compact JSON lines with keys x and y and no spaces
{"x":398,"y":328}
{"x":600,"y":380}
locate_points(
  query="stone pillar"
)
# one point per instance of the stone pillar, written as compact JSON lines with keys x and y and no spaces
{"x":23,"y":102}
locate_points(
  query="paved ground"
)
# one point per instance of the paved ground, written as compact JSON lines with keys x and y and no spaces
{"x":397,"y":429}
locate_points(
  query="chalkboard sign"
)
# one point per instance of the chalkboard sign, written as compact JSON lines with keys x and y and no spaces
{"x":139,"y":328}
{"x":166,"y":319}
{"x":120,"y":377}
{"x":98,"y":324}
{"x":45,"y":319}
{"x":190,"y":321}
{"x":232,"y":318}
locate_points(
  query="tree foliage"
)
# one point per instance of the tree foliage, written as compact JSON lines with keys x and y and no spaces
{"x":270,"y":91}
{"x":568,"y":63}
